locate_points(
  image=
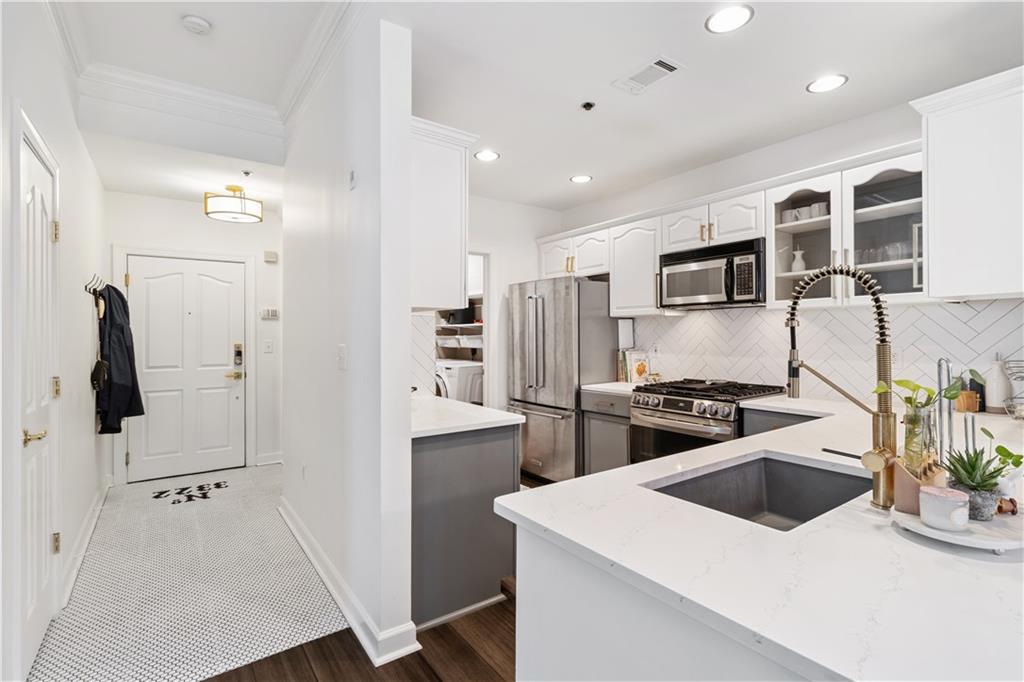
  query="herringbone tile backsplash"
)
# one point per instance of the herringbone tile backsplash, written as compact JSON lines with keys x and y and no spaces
{"x":752,"y":344}
{"x":423,"y":353}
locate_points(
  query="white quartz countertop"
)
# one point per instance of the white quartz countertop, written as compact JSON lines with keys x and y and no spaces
{"x":611,"y":388}
{"x":433,"y":416}
{"x":847,"y":594}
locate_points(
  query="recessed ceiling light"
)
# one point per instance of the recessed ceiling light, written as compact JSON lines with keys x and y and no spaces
{"x":581,"y":179}
{"x":729,"y":18}
{"x":197,"y":25}
{"x":827,"y":83}
{"x":487,"y":155}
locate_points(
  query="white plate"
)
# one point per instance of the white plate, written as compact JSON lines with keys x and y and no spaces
{"x":1004,"y":532}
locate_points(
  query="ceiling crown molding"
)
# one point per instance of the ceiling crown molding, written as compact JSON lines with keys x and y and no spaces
{"x":997,"y":85}
{"x":126,"y":87}
{"x":331,"y":31}
{"x":68,"y":26}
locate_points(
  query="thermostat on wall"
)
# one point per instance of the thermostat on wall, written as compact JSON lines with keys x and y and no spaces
{"x":270,"y":314}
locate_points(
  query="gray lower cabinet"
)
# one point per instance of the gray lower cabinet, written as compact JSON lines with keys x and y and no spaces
{"x":605,"y":431}
{"x":759,"y":421}
{"x":461,"y":549}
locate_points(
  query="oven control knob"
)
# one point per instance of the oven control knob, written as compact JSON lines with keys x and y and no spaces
{"x":712,"y":410}
{"x":700,"y":408}
{"x":725,"y":412}
{"x":655,"y":401}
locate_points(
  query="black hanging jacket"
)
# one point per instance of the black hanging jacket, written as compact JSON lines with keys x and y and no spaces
{"x":120,"y":396}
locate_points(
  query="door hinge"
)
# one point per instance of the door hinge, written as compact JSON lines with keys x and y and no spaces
{"x":56,"y":387}
{"x":127,"y":457}
{"x":56,"y":543}
{"x":127,"y":279}
{"x":55,"y":234}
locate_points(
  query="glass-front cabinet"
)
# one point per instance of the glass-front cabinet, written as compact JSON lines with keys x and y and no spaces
{"x":883,"y":228}
{"x":869,"y":217}
{"x":804,"y":233}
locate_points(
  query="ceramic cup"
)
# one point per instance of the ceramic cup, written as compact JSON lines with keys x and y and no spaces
{"x":802,"y":213}
{"x":944,"y":508}
{"x":819,"y":209}
{"x":789,"y":215}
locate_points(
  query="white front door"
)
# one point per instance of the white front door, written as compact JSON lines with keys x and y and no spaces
{"x":188,"y":322}
{"x":39,"y":419}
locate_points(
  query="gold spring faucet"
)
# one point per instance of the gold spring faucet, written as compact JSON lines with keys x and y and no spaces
{"x":879,"y":460}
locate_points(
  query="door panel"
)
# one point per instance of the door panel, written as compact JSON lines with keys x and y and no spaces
{"x":549,"y":442}
{"x":520,"y":334}
{"x":554,"y":258}
{"x":556,"y":336}
{"x":590,"y":254}
{"x":634,"y":268}
{"x":193,"y":315}
{"x":35,"y":518}
{"x":684,"y":229}
{"x":737,"y":218}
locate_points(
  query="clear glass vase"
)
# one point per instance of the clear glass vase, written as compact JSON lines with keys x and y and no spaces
{"x":920,"y":441}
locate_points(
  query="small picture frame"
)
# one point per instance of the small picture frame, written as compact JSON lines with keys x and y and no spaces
{"x":638,"y":366}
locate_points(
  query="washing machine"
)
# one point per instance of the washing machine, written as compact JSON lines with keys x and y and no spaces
{"x":460,"y":380}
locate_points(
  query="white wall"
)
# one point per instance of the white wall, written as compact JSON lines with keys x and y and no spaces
{"x":506,"y":232}
{"x":136,"y":220}
{"x":35,"y":75}
{"x":850,"y":138}
{"x":346,"y":430}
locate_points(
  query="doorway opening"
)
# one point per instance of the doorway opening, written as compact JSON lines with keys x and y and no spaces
{"x":461,"y":341}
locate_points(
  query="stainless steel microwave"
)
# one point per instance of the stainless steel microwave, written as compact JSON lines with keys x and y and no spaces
{"x":714,"y":276}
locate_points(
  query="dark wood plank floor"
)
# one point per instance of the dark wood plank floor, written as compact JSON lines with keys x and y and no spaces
{"x":479,"y":647}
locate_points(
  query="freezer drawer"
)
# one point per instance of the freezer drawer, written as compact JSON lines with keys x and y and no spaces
{"x":548,"y":441}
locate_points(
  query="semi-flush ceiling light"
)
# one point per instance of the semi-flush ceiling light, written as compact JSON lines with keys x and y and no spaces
{"x":827,"y":83}
{"x":581,"y":179}
{"x":197,"y":25}
{"x":234,"y":207}
{"x":487,"y":155}
{"x":729,"y":18}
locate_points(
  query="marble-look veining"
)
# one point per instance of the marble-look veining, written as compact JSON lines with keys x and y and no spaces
{"x":620,"y":388}
{"x":847,"y":594}
{"x":434,"y":416}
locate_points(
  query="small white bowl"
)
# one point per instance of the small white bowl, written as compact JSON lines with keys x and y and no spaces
{"x":944,"y":508}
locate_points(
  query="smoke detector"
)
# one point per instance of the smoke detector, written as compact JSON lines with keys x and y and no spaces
{"x":647,"y":75}
{"x":197,"y":25}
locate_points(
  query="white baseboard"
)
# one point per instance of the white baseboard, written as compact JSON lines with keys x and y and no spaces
{"x":270,"y":458}
{"x":381,"y":646}
{"x":73,"y":562}
{"x":480,"y":605}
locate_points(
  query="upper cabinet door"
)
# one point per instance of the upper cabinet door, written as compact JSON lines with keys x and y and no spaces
{"x":685,"y":229}
{"x":974,"y":191}
{"x":438,"y":216}
{"x":804,"y":233}
{"x":590,"y":254}
{"x":883,"y":228}
{"x":555,"y":258}
{"x":736,"y":219}
{"x":634,"y":268}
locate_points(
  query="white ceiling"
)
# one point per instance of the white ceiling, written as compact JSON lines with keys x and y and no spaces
{"x":137,"y":167}
{"x":515,"y":74}
{"x":249,"y":52}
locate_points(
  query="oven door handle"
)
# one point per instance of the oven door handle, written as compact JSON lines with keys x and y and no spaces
{"x":679,"y":426}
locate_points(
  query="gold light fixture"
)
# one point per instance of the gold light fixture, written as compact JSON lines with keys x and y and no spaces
{"x":234,"y":207}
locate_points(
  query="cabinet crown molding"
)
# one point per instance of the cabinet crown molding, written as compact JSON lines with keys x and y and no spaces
{"x":997,"y":85}
{"x":442,"y":133}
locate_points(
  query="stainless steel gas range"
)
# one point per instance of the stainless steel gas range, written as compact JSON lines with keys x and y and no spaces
{"x":674,"y":416}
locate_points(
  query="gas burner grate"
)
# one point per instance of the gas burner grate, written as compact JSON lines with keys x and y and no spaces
{"x":724,"y":391}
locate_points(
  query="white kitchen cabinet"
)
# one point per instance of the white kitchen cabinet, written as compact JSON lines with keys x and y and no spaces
{"x":475,"y":275}
{"x":883,"y":229}
{"x":686,"y":229}
{"x":439,"y":215}
{"x":974,"y":188}
{"x":589,"y":254}
{"x":735,"y":219}
{"x":804,"y":233}
{"x":555,"y":258}
{"x":635,"y":249}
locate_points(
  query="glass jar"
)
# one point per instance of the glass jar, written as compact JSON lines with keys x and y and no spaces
{"x":920,"y":441}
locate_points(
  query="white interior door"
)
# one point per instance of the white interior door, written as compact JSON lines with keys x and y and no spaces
{"x":187,"y":318}
{"x":39,"y":419}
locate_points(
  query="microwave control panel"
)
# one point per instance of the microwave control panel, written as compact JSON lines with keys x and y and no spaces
{"x":745,"y":285}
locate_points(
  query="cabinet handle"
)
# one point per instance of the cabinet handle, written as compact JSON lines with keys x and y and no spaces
{"x":657,"y":290}
{"x":711,"y":230}
{"x":572,"y":263}
{"x":567,"y":264}
{"x":916,"y":233}
{"x":702,"y":231}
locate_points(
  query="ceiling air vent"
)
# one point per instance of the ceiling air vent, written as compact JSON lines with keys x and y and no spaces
{"x":647,"y":76}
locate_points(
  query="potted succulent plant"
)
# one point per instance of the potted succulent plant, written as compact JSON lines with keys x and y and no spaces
{"x":1009,"y":482}
{"x":977,"y":476}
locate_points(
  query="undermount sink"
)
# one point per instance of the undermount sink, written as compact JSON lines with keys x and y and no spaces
{"x":772,"y":492}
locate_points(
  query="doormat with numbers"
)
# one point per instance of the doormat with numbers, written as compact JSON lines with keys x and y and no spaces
{"x":174,"y":590}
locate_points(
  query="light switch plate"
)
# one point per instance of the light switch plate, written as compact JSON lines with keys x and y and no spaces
{"x":268,"y":346}
{"x":342,"y":357}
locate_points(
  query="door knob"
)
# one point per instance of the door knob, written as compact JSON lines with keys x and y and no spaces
{"x":27,"y":437}
{"x":233,"y":375}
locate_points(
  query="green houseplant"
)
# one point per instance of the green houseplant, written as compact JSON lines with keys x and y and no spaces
{"x":978,"y":476}
{"x":1009,"y":483}
{"x":920,"y":419}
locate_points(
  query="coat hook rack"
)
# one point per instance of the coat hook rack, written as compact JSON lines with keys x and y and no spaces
{"x":94,"y":285}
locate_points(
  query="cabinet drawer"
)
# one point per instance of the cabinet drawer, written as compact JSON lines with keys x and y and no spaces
{"x":594,"y":401}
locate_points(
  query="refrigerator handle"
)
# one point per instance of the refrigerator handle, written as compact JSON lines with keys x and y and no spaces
{"x":539,"y":331}
{"x":531,"y":341}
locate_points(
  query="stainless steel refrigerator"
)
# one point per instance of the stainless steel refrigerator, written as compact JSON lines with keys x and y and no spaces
{"x":561,"y":337}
